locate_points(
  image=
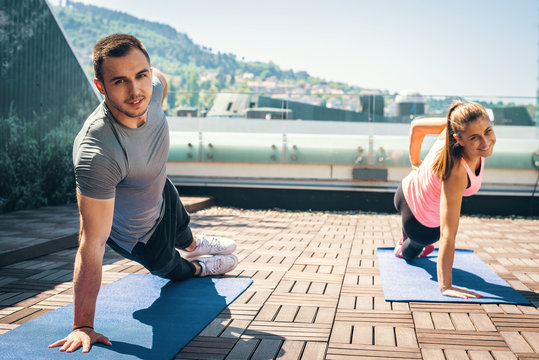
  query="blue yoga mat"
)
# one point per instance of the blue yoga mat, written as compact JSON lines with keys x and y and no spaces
{"x":417,"y":280}
{"x":144,"y":316}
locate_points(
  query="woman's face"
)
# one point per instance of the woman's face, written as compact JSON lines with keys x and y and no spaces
{"x":478,"y":138}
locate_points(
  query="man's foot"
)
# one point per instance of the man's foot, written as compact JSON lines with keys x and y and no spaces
{"x":398,"y":248}
{"x":210,"y":245}
{"x":216,"y":265}
{"x":426,"y":251}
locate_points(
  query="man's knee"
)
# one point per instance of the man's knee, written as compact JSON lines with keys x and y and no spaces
{"x":175,"y":275}
{"x":177,"y":269}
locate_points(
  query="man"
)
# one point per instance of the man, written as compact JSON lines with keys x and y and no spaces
{"x":125,"y":199}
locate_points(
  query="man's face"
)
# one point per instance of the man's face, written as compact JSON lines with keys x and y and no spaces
{"x":127,"y":85}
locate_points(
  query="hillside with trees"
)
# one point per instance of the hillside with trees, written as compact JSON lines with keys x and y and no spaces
{"x":196,"y":73}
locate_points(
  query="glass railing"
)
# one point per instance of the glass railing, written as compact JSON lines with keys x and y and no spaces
{"x":352,"y":129}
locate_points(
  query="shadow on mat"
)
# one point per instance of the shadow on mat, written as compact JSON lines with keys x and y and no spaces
{"x":468,"y":280}
{"x":174,"y":317}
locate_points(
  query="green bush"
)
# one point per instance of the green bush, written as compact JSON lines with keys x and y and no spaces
{"x":35,"y":164}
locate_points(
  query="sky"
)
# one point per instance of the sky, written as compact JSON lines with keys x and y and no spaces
{"x":459,"y":47}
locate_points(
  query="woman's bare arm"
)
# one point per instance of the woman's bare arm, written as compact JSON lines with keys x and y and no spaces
{"x":419,"y":128}
{"x":450,"y":205}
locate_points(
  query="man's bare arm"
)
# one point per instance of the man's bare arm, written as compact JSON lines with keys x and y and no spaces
{"x":163,"y":80}
{"x":95,"y":225}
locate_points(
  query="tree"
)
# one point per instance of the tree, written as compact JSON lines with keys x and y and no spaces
{"x":171,"y":94}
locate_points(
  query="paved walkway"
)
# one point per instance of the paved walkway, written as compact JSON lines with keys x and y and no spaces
{"x":317,"y":293}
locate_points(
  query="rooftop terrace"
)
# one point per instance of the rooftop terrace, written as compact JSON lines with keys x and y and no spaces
{"x":316,"y":291}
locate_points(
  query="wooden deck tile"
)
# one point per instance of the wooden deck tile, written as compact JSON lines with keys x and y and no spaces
{"x":216,"y":327}
{"x":18,"y":316}
{"x":446,"y":307}
{"x":267,"y":349}
{"x":318,"y":277}
{"x":235,"y":328}
{"x":509,"y":322}
{"x":516,"y":342}
{"x":303,"y":299}
{"x":240,"y":311}
{"x":525,"y":356}
{"x":432,"y":354}
{"x":406,"y":337}
{"x":243,"y":349}
{"x":4,"y":328}
{"x":203,"y":347}
{"x":532,"y":338}
{"x":11,"y":299}
{"x":352,"y":351}
{"x":288,"y":330}
{"x":482,"y":322}
{"x":306,"y":314}
{"x":375,"y":318}
{"x":317,"y":292}
{"x":466,"y":340}
{"x":291,"y":350}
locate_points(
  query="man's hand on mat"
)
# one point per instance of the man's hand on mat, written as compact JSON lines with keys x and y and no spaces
{"x":460,"y":293}
{"x":82,"y":337}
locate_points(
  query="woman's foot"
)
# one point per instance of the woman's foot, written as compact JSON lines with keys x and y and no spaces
{"x":398,"y":248}
{"x":424,"y":253}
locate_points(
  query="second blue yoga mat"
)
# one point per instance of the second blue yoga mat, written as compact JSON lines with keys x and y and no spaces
{"x":416,"y":280}
{"x":144,"y":316}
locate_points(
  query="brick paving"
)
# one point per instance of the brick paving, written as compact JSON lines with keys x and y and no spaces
{"x":317,"y":294}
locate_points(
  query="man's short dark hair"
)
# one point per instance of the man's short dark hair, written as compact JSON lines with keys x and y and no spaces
{"x":115,"y":45}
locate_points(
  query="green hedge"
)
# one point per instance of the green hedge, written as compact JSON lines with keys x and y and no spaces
{"x":36,"y":167}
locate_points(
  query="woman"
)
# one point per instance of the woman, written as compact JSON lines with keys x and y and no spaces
{"x":430,"y":197}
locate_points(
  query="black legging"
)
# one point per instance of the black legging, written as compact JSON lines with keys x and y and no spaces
{"x":416,"y":235}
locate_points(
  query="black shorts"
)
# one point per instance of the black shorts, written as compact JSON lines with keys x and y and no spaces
{"x":159,"y":254}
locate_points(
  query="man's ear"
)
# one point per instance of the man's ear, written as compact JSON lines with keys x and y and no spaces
{"x":99,"y":86}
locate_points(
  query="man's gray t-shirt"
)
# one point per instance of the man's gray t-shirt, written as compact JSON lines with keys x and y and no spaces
{"x":129,"y":165}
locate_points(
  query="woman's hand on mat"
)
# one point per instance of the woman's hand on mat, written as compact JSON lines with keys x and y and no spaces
{"x":81,"y":337}
{"x":460,"y":293}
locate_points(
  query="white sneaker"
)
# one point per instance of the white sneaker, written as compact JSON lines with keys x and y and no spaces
{"x":210,"y":245}
{"x":217,"y":264}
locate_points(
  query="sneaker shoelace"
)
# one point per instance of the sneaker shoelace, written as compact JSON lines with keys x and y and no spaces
{"x":218,"y":263}
{"x":209,"y":242}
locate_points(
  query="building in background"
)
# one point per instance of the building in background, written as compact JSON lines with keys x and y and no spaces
{"x":186,"y":111}
{"x":230,"y":105}
{"x":268,"y":113}
{"x":409,"y":103}
{"x":512,"y":115}
{"x":372,"y":102}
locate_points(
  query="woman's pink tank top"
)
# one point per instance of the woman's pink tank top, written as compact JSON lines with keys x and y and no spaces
{"x":422,"y":189}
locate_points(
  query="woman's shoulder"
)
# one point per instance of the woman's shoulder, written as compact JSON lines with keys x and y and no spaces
{"x":458,"y":176}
